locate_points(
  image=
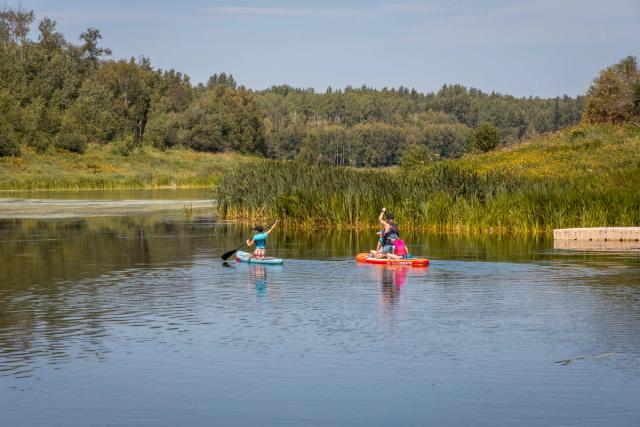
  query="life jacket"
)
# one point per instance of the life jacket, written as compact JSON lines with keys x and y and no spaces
{"x":393,"y":229}
{"x":400,"y":248}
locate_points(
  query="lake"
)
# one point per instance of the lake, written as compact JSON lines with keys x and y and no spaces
{"x":133,"y":320}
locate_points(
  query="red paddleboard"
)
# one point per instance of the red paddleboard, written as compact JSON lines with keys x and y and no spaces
{"x":414,"y":262}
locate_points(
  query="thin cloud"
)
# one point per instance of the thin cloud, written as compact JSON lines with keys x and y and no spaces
{"x":242,"y":11}
{"x":410,"y":8}
{"x":81,"y":16}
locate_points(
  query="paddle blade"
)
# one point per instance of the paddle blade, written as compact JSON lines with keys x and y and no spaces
{"x":228,"y":254}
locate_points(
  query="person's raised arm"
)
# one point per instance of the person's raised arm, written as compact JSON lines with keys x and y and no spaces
{"x":381,"y":218}
{"x":273,"y":226}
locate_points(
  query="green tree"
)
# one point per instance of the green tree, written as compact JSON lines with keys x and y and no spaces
{"x":8,"y":143}
{"x":49,"y":38}
{"x":163,"y":130}
{"x":90,"y":48}
{"x":129,"y":85}
{"x":93,"y":114}
{"x":614,"y":95}
{"x":225,"y":119}
{"x":556,"y":115}
{"x":485,"y":137}
{"x":221,"y":79}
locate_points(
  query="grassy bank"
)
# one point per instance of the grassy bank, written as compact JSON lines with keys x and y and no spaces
{"x":580,"y":177}
{"x":103,"y":167}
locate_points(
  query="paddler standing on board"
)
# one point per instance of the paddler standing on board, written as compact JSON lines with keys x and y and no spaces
{"x":260,"y":240}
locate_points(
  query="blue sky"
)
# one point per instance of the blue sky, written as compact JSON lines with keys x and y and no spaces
{"x":541,"y":48}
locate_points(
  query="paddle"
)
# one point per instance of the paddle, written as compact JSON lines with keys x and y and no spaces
{"x":228,"y":254}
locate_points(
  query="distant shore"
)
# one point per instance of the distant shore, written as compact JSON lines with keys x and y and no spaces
{"x":102,"y":168}
{"x":16,"y":208}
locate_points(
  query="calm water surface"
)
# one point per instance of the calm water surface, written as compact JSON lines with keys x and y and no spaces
{"x":135,"y":321}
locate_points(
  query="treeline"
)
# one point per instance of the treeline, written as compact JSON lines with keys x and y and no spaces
{"x":54,"y":93}
{"x":368,"y":127}
{"x":57,"y":93}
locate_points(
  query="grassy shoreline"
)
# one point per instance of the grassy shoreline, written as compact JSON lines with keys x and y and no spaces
{"x":103,"y":168}
{"x":72,"y":189}
{"x":580,"y":177}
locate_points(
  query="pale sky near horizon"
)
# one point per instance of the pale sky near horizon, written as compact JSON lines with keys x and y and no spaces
{"x":543,"y":48}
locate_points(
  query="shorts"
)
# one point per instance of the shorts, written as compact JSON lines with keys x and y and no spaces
{"x":387,"y":249}
{"x":260,"y":253}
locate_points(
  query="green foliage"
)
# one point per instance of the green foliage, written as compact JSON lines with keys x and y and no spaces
{"x":90,"y":48}
{"x":72,"y":142}
{"x":441,"y":121}
{"x":221,"y":79}
{"x":162,"y":130}
{"x":8,"y":145}
{"x":489,"y":192}
{"x":614,"y":96}
{"x":417,"y":155}
{"x":14,"y":25}
{"x":92,"y":113}
{"x":54,"y":86}
{"x":485,"y":137}
{"x":10,"y":121}
{"x":129,"y":87}
{"x":224,"y":119}
{"x":126,"y":145}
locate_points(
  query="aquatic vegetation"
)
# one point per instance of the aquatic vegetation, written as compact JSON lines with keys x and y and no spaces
{"x":187,"y":210}
{"x":560,"y":180}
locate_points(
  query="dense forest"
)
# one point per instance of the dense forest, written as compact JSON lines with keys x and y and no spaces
{"x":56,"y":94}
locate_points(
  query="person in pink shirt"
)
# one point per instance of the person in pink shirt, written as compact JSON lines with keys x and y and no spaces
{"x":400,"y":250}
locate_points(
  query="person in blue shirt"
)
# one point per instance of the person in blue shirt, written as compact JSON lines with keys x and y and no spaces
{"x":260,"y":240}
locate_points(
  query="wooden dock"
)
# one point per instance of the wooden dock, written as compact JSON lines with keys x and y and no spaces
{"x":620,"y":234}
{"x":598,"y":238}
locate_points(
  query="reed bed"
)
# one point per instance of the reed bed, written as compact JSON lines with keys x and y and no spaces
{"x":454,"y":196}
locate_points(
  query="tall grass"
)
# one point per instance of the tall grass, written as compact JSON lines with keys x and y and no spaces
{"x":446,"y":196}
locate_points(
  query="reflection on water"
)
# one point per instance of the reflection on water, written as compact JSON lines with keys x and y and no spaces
{"x":598,"y":245}
{"x":392,"y":279}
{"x":259,"y":279}
{"x":137,"y":321}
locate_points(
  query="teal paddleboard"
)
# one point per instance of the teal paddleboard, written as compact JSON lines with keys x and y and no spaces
{"x":247,"y":257}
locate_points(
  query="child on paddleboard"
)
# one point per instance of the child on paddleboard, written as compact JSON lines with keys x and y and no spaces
{"x":379,"y":245}
{"x":260,"y":240}
{"x":400,"y":250}
{"x":380,"y":240}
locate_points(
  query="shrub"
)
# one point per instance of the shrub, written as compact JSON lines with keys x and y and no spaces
{"x":485,"y":137}
{"x":417,"y":155}
{"x":162,"y":131}
{"x":73,"y":142}
{"x":8,"y":145}
{"x":125,"y":146}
